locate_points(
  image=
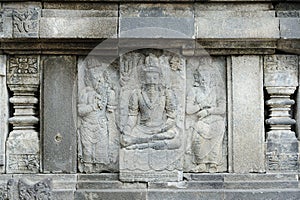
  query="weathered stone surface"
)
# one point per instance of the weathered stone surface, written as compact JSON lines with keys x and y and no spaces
{"x":3,"y":112}
{"x":26,"y":22}
{"x":236,"y":24}
{"x":59,"y":103}
{"x":4,"y":186}
{"x":206,"y":145}
{"x":231,"y":5}
{"x":156,"y":21}
{"x":156,"y":10}
{"x":281,"y":71}
{"x":41,"y":185}
{"x":61,"y":13}
{"x":108,"y":186}
{"x":113,"y":7}
{"x":297,"y":113}
{"x":6,"y":25}
{"x":78,"y":24}
{"x":192,"y":194}
{"x":141,"y":121}
{"x":281,"y":80}
{"x":246,"y":137}
{"x":234,"y":47}
{"x":261,"y":194}
{"x":156,"y":27}
{"x":98,"y":144}
{"x":290,"y":28}
{"x":151,"y":90}
{"x":22,"y":146}
{"x":117,"y":195}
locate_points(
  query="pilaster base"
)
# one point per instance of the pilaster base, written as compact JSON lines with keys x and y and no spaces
{"x":22,"y":152}
{"x":282,"y":148}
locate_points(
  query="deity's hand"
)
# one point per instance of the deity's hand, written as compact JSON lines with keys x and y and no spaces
{"x":100,"y":106}
{"x":126,"y":130}
{"x":95,"y":106}
{"x":160,"y":145}
{"x":202,"y":113}
{"x":169,"y":124}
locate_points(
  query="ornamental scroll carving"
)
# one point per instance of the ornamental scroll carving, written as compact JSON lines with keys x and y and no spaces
{"x":153,"y":114}
{"x":26,"y":22}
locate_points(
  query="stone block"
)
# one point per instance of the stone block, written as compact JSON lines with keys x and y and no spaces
{"x":189,"y":185}
{"x":280,"y":71}
{"x":237,"y":24}
{"x":156,"y":27}
{"x":261,"y":185}
{"x":98,"y":177}
{"x":156,"y":10}
{"x":217,"y":5}
{"x":260,"y":177}
{"x":263,"y":194}
{"x":246,"y":114}
{"x":59,"y":103}
{"x":234,"y":47}
{"x":156,"y":21}
{"x":110,"y":194}
{"x":61,"y":13}
{"x":3,"y":111}
{"x":184,"y":195}
{"x":110,"y":9}
{"x":289,"y":28}
{"x":6,"y":24}
{"x":204,"y":177}
{"x":23,"y":5}
{"x":77,"y":24}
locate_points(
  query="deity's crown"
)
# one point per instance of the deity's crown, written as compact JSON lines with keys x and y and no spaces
{"x":152,"y":64}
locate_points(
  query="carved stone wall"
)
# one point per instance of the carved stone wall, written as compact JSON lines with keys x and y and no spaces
{"x":149,"y":100}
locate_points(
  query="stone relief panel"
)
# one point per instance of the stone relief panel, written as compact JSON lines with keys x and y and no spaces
{"x":149,"y":118}
{"x":205,"y":122}
{"x":97,"y":129}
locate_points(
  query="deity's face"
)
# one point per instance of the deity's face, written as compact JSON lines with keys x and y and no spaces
{"x":152,"y":78}
{"x":97,"y":81}
{"x":199,"y":80}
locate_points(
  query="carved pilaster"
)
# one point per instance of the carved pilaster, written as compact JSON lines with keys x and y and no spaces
{"x":23,"y":143}
{"x":281,"y":80}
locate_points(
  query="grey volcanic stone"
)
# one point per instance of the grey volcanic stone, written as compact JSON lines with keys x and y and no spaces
{"x":59,"y":130}
{"x":247,"y":114}
{"x":156,"y":21}
{"x":290,"y":28}
{"x":3,"y":111}
{"x":78,"y":24}
{"x":237,"y":24}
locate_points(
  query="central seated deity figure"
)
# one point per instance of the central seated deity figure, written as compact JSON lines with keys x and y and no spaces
{"x":151,"y":113}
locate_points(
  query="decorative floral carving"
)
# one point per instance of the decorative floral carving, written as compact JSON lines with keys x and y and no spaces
{"x":23,"y":65}
{"x":3,"y":192}
{"x":39,"y":191}
{"x":23,"y":162}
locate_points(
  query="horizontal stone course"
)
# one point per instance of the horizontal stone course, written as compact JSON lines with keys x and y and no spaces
{"x":91,"y":27}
